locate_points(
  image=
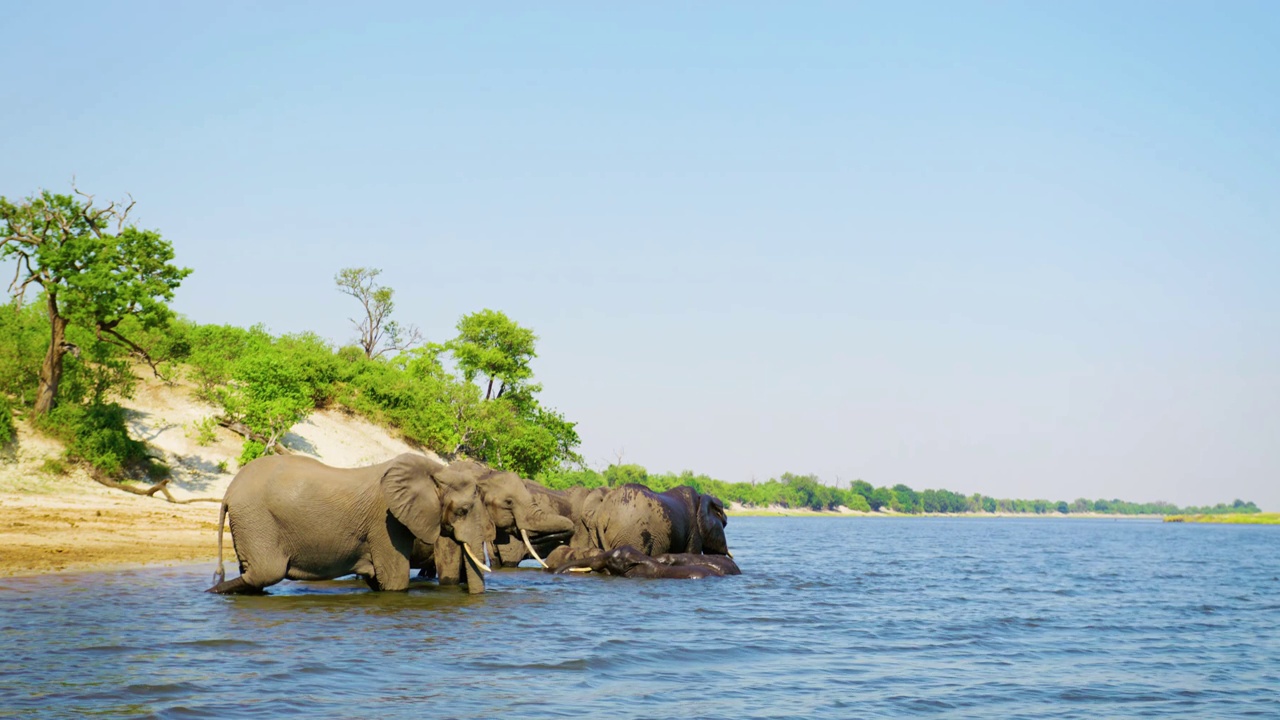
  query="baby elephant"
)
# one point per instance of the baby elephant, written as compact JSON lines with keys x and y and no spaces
{"x":627,"y":561}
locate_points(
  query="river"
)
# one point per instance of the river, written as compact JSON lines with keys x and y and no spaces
{"x":832,"y":618}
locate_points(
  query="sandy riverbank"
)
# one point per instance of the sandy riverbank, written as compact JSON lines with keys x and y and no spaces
{"x":51,"y":522}
{"x":77,"y":524}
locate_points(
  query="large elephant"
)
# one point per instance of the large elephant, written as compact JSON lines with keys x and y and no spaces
{"x":627,"y":561}
{"x":680,"y":520}
{"x":296,"y":518}
{"x":529,"y":520}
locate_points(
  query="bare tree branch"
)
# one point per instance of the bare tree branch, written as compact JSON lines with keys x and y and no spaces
{"x":161,"y":487}
{"x":124,"y":342}
{"x":243,"y":430}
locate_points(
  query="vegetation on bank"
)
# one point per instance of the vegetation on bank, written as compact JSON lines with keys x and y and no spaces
{"x":89,"y":302}
{"x":1259,"y":518}
{"x":808,"y":492}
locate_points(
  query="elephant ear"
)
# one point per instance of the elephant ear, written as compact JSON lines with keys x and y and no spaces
{"x":712,"y":506}
{"x":409,"y":487}
{"x":711,"y":523}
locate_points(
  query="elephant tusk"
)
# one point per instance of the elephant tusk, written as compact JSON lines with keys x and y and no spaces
{"x":726,"y":552}
{"x":580,"y":569}
{"x":474,"y":559}
{"x":529,"y":545}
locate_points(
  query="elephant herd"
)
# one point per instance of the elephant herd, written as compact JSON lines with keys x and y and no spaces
{"x":295,"y":518}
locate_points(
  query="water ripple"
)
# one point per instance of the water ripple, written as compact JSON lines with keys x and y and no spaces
{"x":941,"y":617}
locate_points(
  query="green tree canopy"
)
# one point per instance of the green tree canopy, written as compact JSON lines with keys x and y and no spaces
{"x":95,"y":270}
{"x":491,"y":344}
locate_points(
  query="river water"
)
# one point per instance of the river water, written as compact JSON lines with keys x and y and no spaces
{"x":834,"y":617}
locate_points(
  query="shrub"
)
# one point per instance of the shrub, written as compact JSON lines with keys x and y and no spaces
{"x":96,"y":434}
{"x":203,"y":431}
{"x":857,"y":502}
{"x":269,"y":395}
{"x":251,"y":451}
{"x":53,"y":466}
{"x":8,"y":431}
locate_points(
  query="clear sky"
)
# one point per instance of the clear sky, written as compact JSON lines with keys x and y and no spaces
{"x":1023,"y":249}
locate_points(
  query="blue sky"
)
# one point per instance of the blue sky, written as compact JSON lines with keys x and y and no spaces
{"x":1028,"y":250}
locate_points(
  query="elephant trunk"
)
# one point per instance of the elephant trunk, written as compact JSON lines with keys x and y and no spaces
{"x":474,"y":569}
{"x":540,"y":522}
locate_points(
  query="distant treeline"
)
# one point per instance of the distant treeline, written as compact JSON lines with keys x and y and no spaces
{"x":807,"y":491}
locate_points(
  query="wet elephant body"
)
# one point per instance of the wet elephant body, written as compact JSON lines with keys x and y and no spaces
{"x":627,"y":561}
{"x":529,"y":521}
{"x":511,"y":550}
{"x":293,"y":517}
{"x":680,"y":520}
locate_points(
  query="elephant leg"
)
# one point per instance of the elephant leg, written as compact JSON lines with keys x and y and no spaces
{"x":390,"y":575}
{"x":474,"y":577}
{"x":236,"y":586}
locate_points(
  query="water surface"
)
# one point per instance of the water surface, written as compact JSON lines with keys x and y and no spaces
{"x":834,"y":617}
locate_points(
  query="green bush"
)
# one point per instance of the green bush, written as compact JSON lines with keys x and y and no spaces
{"x":857,"y":502}
{"x":251,"y":451}
{"x":97,"y":434}
{"x":54,"y":467}
{"x":214,"y":352}
{"x":8,"y":431}
{"x":203,"y":431}
{"x":24,"y":337}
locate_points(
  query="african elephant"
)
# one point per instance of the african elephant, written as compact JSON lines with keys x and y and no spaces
{"x":626,"y":561}
{"x":679,"y":520}
{"x":522,"y":508}
{"x":525,"y":516}
{"x":296,"y":518}
{"x":570,"y":503}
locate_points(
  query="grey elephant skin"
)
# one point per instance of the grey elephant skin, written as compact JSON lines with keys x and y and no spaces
{"x":519,"y":509}
{"x":295,"y":518}
{"x":569,"y":504}
{"x":627,"y":561}
{"x":679,"y":520}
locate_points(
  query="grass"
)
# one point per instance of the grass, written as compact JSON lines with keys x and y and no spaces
{"x":1230,"y":519}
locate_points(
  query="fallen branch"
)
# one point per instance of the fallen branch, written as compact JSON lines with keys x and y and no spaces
{"x":243,"y":430}
{"x":160,"y":487}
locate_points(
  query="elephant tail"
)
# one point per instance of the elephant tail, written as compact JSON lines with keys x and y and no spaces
{"x":220,"y":574}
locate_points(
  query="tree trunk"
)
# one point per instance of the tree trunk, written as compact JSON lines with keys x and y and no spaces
{"x":489,"y":392}
{"x":51,"y":370}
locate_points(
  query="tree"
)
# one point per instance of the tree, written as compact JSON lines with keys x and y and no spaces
{"x":266,"y":398}
{"x":489,"y":343}
{"x":881,"y":497}
{"x":95,"y":271}
{"x":618,"y":475}
{"x":905,"y":499}
{"x":378,"y":332}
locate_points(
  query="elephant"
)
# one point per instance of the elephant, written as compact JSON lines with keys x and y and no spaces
{"x":293,"y":517}
{"x":522,"y":508}
{"x":517,"y":508}
{"x":680,"y":520}
{"x":569,"y":503}
{"x":626,"y":561}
